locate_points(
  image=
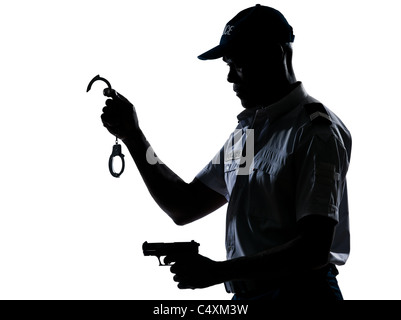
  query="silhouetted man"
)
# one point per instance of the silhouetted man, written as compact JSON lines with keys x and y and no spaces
{"x":282,"y":172}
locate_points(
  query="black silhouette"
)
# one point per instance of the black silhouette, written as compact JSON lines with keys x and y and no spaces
{"x":178,"y":250}
{"x":116,"y":151}
{"x":287,"y":215}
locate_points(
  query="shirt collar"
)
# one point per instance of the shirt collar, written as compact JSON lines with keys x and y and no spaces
{"x":277,"y":109}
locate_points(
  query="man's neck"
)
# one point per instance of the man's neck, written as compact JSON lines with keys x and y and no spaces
{"x":277,"y":94}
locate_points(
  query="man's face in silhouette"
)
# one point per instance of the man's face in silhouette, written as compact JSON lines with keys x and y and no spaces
{"x":255,"y":75}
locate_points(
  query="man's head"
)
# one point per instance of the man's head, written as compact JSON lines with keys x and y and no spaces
{"x":252,"y":27}
{"x":256,"y":44}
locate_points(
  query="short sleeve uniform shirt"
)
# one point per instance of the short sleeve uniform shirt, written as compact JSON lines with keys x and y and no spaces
{"x":279,"y":165}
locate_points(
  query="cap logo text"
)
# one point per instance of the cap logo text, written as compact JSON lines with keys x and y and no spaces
{"x":227,"y":30}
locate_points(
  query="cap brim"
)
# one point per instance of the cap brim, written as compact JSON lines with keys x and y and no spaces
{"x":215,"y":53}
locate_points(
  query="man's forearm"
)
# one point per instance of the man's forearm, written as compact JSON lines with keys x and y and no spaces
{"x":166,"y":187}
{"x":270,"y":264}
{"x":308,"y":251}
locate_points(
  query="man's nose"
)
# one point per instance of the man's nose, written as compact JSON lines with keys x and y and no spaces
{"x":233,"y":76}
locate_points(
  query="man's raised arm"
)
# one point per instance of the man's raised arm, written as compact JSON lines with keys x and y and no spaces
{"x":183,"y":202}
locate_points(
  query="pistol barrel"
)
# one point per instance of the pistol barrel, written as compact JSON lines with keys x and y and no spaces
{"x":160,"y":249}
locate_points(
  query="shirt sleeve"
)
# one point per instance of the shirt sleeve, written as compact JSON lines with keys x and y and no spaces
{"x":213,"y":174}
{"x":321,"y":165}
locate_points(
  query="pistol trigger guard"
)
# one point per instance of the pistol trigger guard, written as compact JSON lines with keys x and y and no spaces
{"x":163,"y":265}
{"x":117,"y":153}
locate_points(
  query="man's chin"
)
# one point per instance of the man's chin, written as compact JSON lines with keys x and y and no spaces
{"x":248,"y":104}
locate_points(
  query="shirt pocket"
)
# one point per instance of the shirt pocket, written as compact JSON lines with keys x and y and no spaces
{"x":266,"y":167}
{"x":271,"y":205}
{"x":271,"y":180}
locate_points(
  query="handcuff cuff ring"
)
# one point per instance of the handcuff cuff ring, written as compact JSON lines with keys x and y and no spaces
{"x":116,"y":153}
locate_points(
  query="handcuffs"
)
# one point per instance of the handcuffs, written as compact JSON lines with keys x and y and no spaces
{"x":116,"y":152}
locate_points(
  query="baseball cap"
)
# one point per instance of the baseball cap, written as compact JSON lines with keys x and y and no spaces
{"x":252,"y":26}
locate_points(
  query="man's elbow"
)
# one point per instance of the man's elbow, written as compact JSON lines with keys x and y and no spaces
{"x":184,"y":217}
{"x":317,"y":259}
{"x":180,"y":218}
{"x":320,"y":262}
{"x":179,"y":221}
{"x":313,"y":256}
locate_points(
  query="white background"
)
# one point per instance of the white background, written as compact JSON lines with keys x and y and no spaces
{"x":68,"y":230}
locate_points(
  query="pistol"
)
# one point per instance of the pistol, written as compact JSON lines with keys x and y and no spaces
{"x":180,"y":249}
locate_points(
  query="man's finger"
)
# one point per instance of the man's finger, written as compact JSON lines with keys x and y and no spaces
{"x":169,"y":259}
{"x":185,"y":286}
{"x":110,"y":102}
{"x":109,"y":93}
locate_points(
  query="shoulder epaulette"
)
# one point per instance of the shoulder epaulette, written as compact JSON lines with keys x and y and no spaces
{"x":317,"y":113}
